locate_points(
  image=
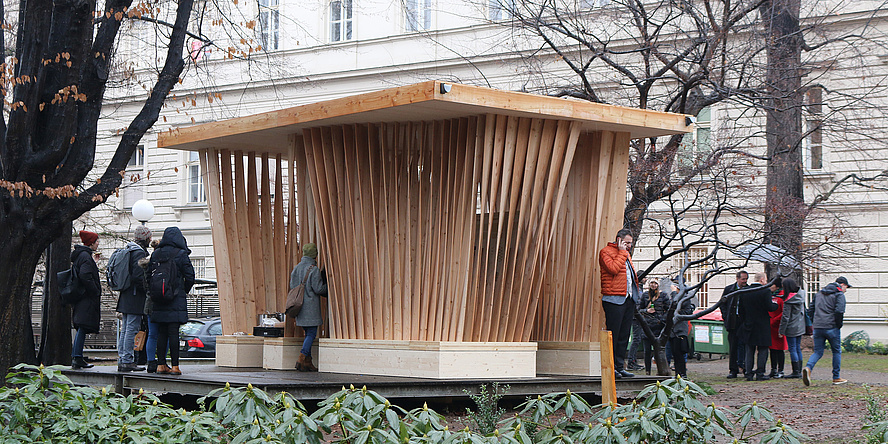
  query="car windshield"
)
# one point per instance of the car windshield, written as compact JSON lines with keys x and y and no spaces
{"x":190,"y":328}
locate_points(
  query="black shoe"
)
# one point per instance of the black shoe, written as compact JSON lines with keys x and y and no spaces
{"x":626,"y":374}
{"x":78,"y":363}
{"x":618,"y":375}
{"x":763,"y":377}
{"x":152,"y":367}
{"x":750,"y":377}
{"x":129,"y":367}
{"x":731,"y":376}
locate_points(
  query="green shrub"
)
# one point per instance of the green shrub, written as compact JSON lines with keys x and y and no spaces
{"x":487,"y":411}
{"x":41,"y":405}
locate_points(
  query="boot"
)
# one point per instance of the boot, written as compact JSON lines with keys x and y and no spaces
{"x":773,"y":373}
{"x":175,"y":370}
{"x":300,"y":363}
{"x":796,"y":370}
{"x":152,"y":367}
{"x":310,"y":365}
{"x":162,"y":369}
{"x":78,"y":362}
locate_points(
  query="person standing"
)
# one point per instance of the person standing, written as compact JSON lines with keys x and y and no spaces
{"x":309,"y":317}
{"x":731,"y":316}
{"x":86,"y":315}
{"x":678,"y":339}
{"x":829,"y":314}
{"x":170,"y":315}
{"x":620,"y":294}
{"x":792,"y":325}
{"x":755,"y":304}
{"x":131,"y":302}
{"x":653,"y":308}
{"x":778,"y":341}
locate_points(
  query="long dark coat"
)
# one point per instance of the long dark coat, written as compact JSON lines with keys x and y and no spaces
{"x":173,"y":244}
{"x":755,"y":321}
{"x":88,"y":310}
{"x":132,"y":298}
{"x":729,"y":308}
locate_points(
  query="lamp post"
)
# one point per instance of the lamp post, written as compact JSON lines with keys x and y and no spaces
{"x":143,"y":210}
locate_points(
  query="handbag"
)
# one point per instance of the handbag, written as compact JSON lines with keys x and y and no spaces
{"x":139,"y":341}
{"x":296,"y":296}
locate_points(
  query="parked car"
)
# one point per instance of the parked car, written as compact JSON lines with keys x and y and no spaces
{"x":197,"y":337}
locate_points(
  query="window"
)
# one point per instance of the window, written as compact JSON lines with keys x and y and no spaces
{"x":812,"y":144}
{"x":501,"y":9}
{"x":195,"y":192}
{"x":693,"y":275}
{"x":269,"y":24}
{"x":200,"y":267}
{"x":419,"y":15}
{"x":695,"y":146}
{"x":131,"y":189}
{"x":340,"y":20}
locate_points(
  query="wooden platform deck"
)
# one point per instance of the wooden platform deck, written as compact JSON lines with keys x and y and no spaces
{"x":201,"y":379}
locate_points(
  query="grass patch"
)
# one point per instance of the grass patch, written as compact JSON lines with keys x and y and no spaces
{"x":858,"y":361}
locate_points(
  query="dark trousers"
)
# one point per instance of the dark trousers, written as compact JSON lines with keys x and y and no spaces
{"x":737,"y":352}
{"x":679,"y":352}
{"x":618,"y":319}
{"x":778,"y":358}
{"x":635,"y":341}
{"x":751,"y":352}
{"x":168,"y":335}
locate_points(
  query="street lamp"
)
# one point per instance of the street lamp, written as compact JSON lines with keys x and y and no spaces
{"x":143,"y":210}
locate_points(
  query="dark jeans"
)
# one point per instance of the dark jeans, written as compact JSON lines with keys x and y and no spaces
{"x":737,"y":352}
{"x":310,"y":334}
{"x":618,"y":319}
{"x":648,"y":347}
{"x":751,"y":352}
{"x":635,"y":342}
{"x":680,"y":348}
{"x":168,"y":335}
{"x":77,"y":346}
{"x":778,"y":359}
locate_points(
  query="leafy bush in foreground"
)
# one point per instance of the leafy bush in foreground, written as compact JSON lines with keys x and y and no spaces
{"x":42,"y":405}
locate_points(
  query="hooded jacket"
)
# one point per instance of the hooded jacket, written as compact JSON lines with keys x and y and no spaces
{"x":315,"y":287}
{"x":87,"y":311}
{"x":132,"y":298}
{"x":173,"y":245}
{"x":793,"y":322}
{"x":829,"y":307}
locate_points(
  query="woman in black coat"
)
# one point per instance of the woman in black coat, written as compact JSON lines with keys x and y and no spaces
{"x":86,"y":314}
{"x":169,"y":316}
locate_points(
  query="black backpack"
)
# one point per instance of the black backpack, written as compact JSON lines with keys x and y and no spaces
{"x":164,"y":278}
{"x":70,"y":289}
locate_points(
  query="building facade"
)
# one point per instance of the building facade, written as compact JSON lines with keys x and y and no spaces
{"x":304,"y":52}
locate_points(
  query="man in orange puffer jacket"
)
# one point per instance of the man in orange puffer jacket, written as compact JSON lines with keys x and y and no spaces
{"x":619,"y":299}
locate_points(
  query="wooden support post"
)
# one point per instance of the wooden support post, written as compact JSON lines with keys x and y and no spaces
{"x":608,"y":378}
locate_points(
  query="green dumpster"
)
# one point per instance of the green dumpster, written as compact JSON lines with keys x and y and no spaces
{"x":709,"y":335}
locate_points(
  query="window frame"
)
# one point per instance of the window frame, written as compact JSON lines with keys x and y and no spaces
{"x":269,"y":9}
{"x":812,"y":131}
{"x":417,"y":15}
{"x":193,"y":164}
{"x":133,"y":187}
{"x":341,"y":28}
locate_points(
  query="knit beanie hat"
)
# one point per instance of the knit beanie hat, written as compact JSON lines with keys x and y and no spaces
{"x":310,"y":250}
{"x":142,"y":233}
{"x":88,"y":237}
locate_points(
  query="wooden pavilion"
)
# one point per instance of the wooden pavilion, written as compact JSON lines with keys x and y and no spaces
{"x":459,"y":225}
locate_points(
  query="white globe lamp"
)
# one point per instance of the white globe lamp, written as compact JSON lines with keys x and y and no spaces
{"x":143,"y":210}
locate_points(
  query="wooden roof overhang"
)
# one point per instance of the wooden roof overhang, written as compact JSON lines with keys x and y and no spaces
{"x":270,"y":131}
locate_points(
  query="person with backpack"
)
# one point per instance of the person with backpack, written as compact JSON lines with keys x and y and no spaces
{"x":170,"y":278}
{"x":306,"y":272}
{"x":86,"y":314}
{"x":125,"y":275}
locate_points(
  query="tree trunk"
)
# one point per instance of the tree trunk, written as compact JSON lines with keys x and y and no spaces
{"x":17,"y":265}
{"x":784,"y":202}
{"x":55,"y":336}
